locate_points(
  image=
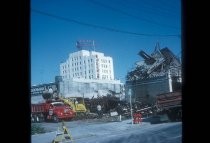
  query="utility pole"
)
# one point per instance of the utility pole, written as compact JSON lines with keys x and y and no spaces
{"x":129,"y":93}
{"x":170,"y":81}
{"x":83,"y":96}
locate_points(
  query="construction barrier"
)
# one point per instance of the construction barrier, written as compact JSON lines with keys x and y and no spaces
{"x":137,"y":118}
{"x":63,"y":135}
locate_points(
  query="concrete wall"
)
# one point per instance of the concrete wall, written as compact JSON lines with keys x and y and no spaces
{"x":88,"y":89}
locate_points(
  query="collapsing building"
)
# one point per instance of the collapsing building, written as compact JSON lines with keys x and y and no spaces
{"x":158,"y":73}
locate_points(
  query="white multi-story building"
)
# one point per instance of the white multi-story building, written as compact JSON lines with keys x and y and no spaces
{"x":88,"y":73}
{"x":87,"y":65}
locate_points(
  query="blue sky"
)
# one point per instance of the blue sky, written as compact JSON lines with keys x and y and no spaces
{"x":120,"y":29}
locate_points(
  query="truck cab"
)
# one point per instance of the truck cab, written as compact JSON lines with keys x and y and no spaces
{"x":60,"y":111}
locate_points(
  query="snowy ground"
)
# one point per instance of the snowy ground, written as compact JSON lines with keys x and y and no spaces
{"x":114,"y":132}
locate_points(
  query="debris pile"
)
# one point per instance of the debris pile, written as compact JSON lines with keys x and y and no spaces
{"x":156,"y":64}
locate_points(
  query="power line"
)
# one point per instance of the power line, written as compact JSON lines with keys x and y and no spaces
{"x":131,"y":15}
{"x":102,"y":27}
{"x":148,"y":9}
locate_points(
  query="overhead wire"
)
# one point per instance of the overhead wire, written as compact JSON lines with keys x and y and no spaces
{"x":148,"y":10}
{"x":131,"y":15}
{"x":102,"y":27}
{"x":163,"y":7}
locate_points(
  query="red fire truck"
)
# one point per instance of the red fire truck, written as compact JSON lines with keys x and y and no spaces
{"x":51,"y":110}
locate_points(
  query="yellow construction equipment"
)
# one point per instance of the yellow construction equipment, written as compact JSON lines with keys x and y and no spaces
{"x":77,"y":104}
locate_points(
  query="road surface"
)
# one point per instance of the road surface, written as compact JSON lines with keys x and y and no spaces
{"x":94,"y":131}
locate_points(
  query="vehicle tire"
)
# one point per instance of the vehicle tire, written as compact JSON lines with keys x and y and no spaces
{"x":55,"y":141}
{"x":32,"y":119}
{"x":55,"y":119}
{"x":37,"y":119}
{"x":41,"y":119}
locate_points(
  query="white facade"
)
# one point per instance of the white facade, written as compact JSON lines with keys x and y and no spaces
{"x":88,"y":73}
{"x":87,"y":65}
